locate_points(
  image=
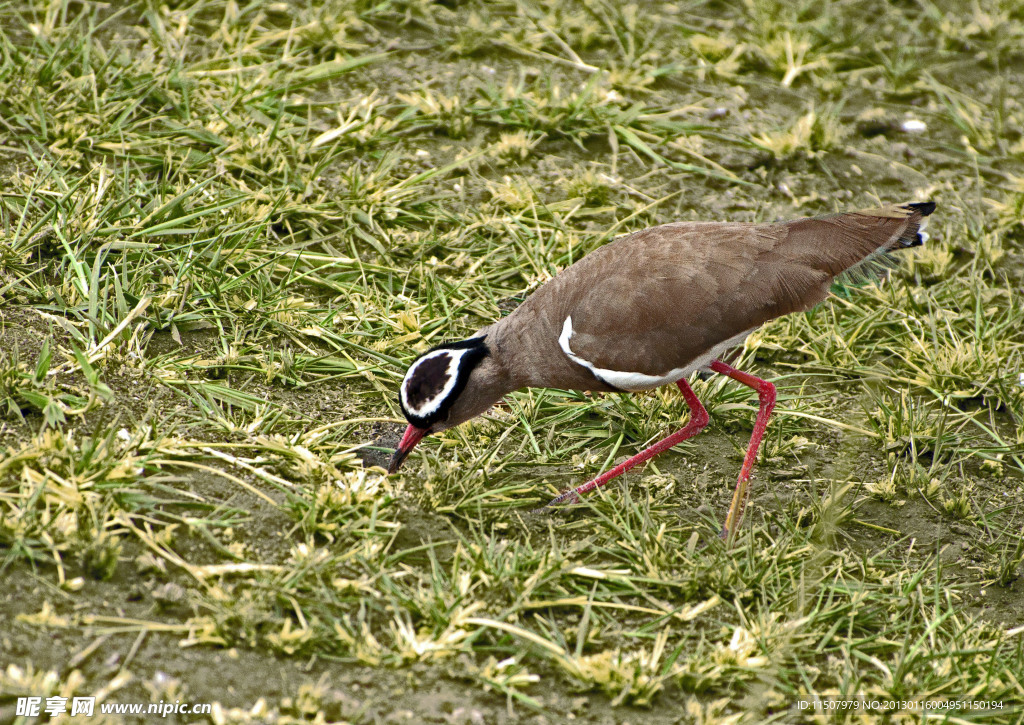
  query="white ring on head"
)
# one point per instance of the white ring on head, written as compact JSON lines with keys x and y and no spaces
{"x":432,"y":404}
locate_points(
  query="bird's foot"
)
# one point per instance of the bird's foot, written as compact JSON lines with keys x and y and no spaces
{"x":571,"y":496}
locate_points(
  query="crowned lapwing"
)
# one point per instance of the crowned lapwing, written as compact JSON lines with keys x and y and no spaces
{"x":646,"y":310}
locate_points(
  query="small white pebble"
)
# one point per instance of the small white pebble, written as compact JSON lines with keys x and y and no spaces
{"x":422,"y":153}
{"x":488,"y":70}
{"x":913,"y":125}
{"x":124,"y":435}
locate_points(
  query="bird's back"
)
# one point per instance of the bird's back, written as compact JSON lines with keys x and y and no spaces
{"x":659,"y":299}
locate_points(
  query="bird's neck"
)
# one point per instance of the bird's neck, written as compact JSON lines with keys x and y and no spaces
{"x":509,"y":372}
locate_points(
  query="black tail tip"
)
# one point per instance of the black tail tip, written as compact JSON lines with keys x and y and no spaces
{"x":917,"y":236}
{"x":925,"y":207}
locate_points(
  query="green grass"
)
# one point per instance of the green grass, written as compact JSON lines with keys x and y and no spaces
{"x":226,"y":228}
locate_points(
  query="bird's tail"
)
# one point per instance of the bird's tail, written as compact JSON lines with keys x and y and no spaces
{"x":914,"y":234}
{"x":836,"y":243}
{"x":878,"y":264}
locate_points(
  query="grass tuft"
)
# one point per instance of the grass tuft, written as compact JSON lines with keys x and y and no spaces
{"x":227,"y":228}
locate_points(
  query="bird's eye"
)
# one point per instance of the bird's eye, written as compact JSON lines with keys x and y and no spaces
{"x":429,"y":379}
{"x":436,"y":379}
{"x":429,"y":387}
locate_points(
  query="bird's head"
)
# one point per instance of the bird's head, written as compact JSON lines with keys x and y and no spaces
{"x":446,"y":386}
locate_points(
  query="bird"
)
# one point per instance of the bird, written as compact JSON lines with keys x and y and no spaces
{"x":648,"y":309}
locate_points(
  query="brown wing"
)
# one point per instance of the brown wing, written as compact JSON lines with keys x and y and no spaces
{"x":655,"y":300}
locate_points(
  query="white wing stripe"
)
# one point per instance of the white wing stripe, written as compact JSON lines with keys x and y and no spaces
{"x":641,"y":381}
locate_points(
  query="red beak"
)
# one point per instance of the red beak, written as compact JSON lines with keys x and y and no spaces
{"x":412,"y":436}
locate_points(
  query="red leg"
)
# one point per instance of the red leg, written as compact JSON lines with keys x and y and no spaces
{"x":698,"y":419}
{"x":766,"y":395}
